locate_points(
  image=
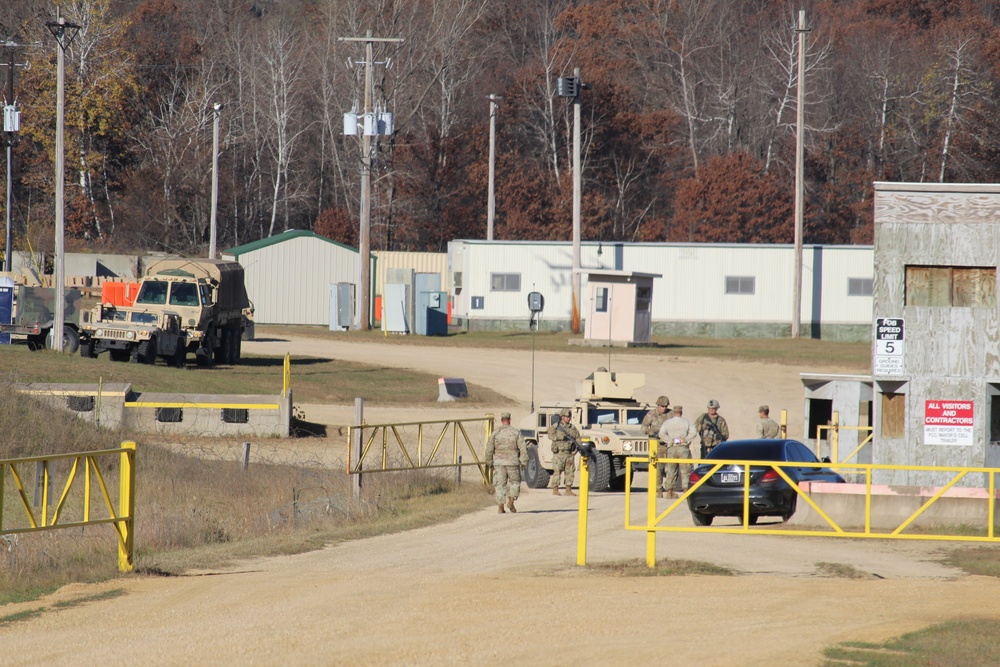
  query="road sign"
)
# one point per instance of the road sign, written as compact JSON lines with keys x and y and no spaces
{"x":948,"y":422}
{"x":889,"y":341}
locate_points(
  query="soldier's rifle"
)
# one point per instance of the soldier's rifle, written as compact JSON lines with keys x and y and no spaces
{"x":586,"y":448}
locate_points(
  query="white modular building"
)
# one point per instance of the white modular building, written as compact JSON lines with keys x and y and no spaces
{"x":720,"y":290}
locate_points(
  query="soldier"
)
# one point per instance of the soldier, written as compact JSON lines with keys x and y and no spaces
{"x":766,"y":427}
{"x":506,"y":452}
{"x":712,"y":428}
{"x":678,"y":433}
{"x":563,"y":437}
{"x":651,"y":424}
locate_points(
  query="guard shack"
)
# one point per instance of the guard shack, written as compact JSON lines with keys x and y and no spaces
{"x":618,"y":311}
{"x":936,"y":339}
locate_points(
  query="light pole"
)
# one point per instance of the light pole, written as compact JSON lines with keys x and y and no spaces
{"x":491,"y":205}
{"x":799,"y":176}
{"x":570,"y":87}
{"x":11,"y":125}
{"x":64,"y":33}
{"x":363,"y":316}
{"x":213,"y":233}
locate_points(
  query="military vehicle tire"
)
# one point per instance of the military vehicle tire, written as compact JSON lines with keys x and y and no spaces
{"x":146,"y":352}
{"x":71,"y":340}
{"x":702,"y":519}
{"x":222,"y":353}
{"x":600,"y":473}
{"x":535,"y":476}
{"x":88,"y":350}
{"x":204,"y":357}
{"x":234,"y":346}
{"x":180,"y":354}
{"x":617,"y":474}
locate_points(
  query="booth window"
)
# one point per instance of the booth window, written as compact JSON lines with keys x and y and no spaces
{"x":859,"y":286}
{"x":505,"y":282}
{"x":235,"y":416}
{"x":643,"y":297}
{"x":740,"y":284}
{"x":951,"y":286}
{"x":602,"y":300}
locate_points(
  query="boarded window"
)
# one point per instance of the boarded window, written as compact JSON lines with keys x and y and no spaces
{"x":958,"y":286}
{"x":80,"y":403}
{"x":235,"y":415}
{"x":505,"y":282}
{"x":739,"y":284}
{"x":893,"y":415}
{"x":601,"y":297}
{"x":170,"y":415}
{"x":859,"y":286}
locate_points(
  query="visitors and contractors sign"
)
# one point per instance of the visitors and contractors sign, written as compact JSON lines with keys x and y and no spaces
{"x":948,"y":422}
{"x":888,"y":346}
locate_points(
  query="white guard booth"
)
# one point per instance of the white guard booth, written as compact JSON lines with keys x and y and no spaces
{"x":618,"y":308}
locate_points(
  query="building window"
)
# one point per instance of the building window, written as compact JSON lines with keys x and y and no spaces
{"x":169,"y":415}
{"x":954,"y":286}
{"x":235,"y":416}
{"x":80,"y":403}
{"x":643,"y":298}
{"x":893,"y":415}
{"x":859,"y":286}
{"x":602,"y":300}
{"x":740,"y":284}
{"x":505,"y":282}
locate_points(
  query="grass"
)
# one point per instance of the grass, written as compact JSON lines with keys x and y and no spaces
{"x":982,"y":560}
{"x":28,"y":614}
{"x":663,"y":568}
{"x":841,"y":571}
{"x":959,"y":643}
{"x":805,"y":352}
{"x":314,"y":380}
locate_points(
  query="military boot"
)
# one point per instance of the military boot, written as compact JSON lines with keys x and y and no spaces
{"x":500,"y":509}
{"x":555,"y":491}
{"x":569,"y":491}
{"x":510,"y":505}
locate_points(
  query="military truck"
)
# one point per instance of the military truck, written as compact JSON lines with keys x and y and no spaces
{"x":183,"y":306}
{"x":605,"y":412}
{"x":34,"y":315}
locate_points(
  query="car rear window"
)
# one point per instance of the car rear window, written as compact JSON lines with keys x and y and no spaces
{"x":751,"y":451}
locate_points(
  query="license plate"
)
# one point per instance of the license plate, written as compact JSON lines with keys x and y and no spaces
{"x":731,"y":477}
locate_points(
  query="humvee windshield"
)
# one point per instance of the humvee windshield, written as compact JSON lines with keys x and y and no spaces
{"x":615,"y":416}
{"x":143,"y":318}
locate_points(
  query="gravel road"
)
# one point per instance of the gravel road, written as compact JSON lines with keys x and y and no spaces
{"x":490,"y":589}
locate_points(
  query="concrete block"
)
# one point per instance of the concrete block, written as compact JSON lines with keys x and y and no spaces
{"x":450,"y":389}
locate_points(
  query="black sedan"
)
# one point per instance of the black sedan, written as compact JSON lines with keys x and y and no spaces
{"x":770,"y":495}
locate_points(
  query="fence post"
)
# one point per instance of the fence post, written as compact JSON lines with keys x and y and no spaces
{"x":458,"y":472}
{"x":246,"y":455}
{"x":126,"y":508}
{"x":359,"y":418}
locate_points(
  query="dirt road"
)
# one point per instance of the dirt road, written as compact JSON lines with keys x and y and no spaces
{"x":486,"y":589}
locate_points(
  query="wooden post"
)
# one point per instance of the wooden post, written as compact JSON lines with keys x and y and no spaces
{"x":458,"y":472}
{"x":359,"y":418}
{"x":246,"y":455}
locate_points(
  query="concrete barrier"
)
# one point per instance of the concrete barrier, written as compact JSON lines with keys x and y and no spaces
{"x":450,"y":389}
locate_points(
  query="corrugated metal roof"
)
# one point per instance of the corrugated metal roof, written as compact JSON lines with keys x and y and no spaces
{"x":280,"y":238}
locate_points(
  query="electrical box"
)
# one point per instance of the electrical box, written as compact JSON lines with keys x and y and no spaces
{"x":536,"y":302}
{"x":350,"y":124}
{"x":11,"y":119}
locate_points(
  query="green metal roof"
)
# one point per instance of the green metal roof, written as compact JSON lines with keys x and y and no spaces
{"x":281,"y":238}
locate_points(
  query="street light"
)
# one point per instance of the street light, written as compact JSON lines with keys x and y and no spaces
{"x":64,"y":33}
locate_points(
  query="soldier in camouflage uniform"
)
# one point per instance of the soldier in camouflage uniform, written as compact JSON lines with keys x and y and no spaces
{"x":506,"y":452}
{"x":677,"y":433}
{"x":712,"y":428}
{"x":651,"y":424}
{"x":563,"y":437}
{"x":766,"y":427}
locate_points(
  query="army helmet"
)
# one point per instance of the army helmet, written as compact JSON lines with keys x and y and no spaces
{"x":565,"y":412}
{"x":713,"y":404}
{"x":663,"y":401}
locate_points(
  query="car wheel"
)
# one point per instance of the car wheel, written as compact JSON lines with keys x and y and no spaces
{"x":600,"y":473}
{"x":791,"y":509}
{"x":702,"y":519}
{"x":752,"y":519}
{"x":535,"y":476}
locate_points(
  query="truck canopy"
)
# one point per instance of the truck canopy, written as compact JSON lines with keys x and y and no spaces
{"x":228,"y":275}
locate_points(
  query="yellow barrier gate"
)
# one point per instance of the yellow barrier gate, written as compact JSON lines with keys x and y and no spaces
{"x":834,"y":430}
{"x":395,"y":447}
{"x":49,"y":517}
{"x":857,"y":525}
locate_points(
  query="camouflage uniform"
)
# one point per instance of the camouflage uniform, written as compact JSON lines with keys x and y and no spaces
{"x":767,"y":428}
{"x":562,"y":437}
{"x":712,"y":431}
{"x":678,"y":433}
{"x":506,"y":452}
{"x":651,"y":424}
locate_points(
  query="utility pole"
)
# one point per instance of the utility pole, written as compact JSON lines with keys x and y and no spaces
{"x":11,"y":125}
{"x":363,"y":316}
{"x":64,"y":33}
{"x":571,"y":87}
{"x":799,"y":175}
{"x":491,"y":205}
{"x":213,"y":233}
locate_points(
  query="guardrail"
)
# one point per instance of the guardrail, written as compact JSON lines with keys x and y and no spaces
{"x":417,"y":446}
{"x":849,"y":522}
{"x":834,"y":429}
{"x":43,"y":515}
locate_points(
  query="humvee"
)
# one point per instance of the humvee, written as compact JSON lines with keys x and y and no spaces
{"x":607,"y":414}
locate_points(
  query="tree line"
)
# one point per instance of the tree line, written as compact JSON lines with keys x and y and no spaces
{"x":688,"y":130}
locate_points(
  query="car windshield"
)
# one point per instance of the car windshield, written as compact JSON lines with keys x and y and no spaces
{"x":749,"y":451}
{"x":152,"y":292}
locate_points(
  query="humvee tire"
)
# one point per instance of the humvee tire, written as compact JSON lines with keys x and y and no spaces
{"x":535,"y":476}
{"x":600,"y":472}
